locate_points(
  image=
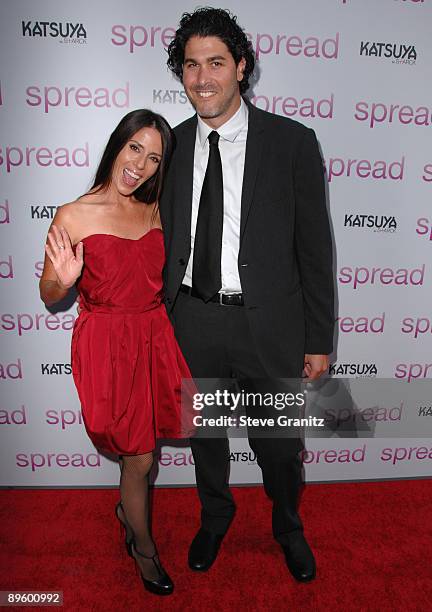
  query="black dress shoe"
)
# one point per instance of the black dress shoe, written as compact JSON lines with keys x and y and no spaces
{"x":299,"y":557}
{"x":203,"y":550}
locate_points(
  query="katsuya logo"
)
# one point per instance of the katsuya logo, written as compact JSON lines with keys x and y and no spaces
{"x":56,"y":368}
{"x":399,"y":53}
{"x":65,"y":31}
{"x":357,"y":370}
{"x":43,"y":211}
{"x":377,"y":223}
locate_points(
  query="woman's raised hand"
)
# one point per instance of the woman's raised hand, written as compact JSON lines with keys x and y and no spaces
{"x":67,"y":265}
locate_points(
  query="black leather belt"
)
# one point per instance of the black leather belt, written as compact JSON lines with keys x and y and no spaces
{"x":224,"y":299}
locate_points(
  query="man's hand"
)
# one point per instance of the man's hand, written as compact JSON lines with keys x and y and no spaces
{"x":315,"y":366}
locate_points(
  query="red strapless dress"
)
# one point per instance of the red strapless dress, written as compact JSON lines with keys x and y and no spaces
{"x":126,"y":363}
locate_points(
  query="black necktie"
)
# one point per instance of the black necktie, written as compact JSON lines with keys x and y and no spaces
{"x":206,"y":271}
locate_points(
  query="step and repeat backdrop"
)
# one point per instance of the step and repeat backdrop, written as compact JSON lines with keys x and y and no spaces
{"x":357,"y":72}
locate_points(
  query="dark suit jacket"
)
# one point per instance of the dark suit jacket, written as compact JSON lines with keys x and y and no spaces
{"x":285,"y":258}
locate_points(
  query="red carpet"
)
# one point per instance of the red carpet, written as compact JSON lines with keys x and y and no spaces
{"x":373,"y":545}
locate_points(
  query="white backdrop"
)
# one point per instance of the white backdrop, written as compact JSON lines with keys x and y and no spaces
{"x":357,"y":72}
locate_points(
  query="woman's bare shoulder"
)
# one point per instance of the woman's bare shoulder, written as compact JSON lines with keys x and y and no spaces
{"x":91,"y":197}
{"x":79,"y":206}
{"x":74,"y":216}
{"x":67,"y":211}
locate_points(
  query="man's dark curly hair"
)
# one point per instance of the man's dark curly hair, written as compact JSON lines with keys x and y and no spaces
{"x":209,"y":21}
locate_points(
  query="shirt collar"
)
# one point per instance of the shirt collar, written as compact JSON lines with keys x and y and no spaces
{"x":229,"y":130}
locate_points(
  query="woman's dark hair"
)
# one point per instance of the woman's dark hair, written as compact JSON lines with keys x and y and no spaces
{"x":209,"y":21}
{"x":149,"y":191}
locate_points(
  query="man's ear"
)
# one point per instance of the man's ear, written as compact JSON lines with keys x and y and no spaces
{"x":240,"y":69}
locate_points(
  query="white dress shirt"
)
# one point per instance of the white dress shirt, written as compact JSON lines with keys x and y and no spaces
{"x":232,"y":147}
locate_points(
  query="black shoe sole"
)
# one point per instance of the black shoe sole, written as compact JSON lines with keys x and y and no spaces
{"x":156,"y":591}
{"x":201,"y":569}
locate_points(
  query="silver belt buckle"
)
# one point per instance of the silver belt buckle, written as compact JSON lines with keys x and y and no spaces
{"x":227,"y":294}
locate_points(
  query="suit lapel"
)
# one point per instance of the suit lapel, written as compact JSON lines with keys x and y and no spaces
{"x":254,"y":145}
{"x":184,"y":182}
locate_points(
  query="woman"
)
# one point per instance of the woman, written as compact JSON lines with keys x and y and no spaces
{"x":126,"y":363}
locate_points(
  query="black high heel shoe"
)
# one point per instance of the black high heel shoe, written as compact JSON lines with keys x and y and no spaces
{"x":162,"y":585}
{"x":125,"y":525}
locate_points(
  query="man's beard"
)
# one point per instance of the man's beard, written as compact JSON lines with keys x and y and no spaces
{"x":217,"y":111}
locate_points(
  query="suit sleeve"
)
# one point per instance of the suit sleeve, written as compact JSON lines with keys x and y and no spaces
{"x":313,"y":246}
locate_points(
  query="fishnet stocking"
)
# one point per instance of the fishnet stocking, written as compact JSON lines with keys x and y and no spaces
{"x":135,"y":501}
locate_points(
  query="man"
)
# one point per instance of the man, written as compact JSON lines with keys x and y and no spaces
{"x":248,"y":275}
